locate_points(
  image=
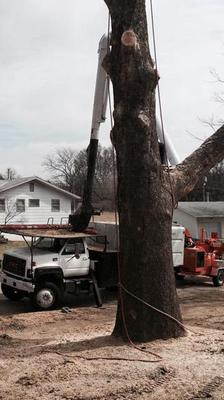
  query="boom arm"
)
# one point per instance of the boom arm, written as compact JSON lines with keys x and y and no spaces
{"x":101,"y":90}
{"x":172,"y":156}
{"x":81,"y":218}
{"x":98,"y":116}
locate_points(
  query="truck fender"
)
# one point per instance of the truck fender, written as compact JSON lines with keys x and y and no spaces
{"x":50,"y":274}
{"x":215,"y":271}
{"x":218,"y":279}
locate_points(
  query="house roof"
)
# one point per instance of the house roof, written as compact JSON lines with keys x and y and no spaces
{"x":10,"y":184}
{"x":202,"y":209}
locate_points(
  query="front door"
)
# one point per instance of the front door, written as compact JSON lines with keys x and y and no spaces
{"x":74,"y":258}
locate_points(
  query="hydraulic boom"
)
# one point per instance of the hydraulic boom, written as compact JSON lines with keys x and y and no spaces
{"x":81,"y":218}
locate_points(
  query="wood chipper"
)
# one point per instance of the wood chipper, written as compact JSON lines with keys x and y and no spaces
{"x":204,"y":257}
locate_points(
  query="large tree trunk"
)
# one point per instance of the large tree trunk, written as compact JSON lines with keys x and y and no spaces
{"x":145,"y":202}
{"x":147,"y":192}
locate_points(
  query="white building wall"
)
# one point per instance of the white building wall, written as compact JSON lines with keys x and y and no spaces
{"x":36,"y":215}
{"x":222,"y":229}
{"x":214,"y":224}
{"x":187,"y":221}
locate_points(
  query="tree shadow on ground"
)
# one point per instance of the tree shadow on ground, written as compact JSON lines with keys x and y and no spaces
{"x":26,"y":348}
{"x":99,"y":342}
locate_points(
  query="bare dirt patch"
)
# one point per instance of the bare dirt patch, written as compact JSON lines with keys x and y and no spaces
{"x":55,"y":355}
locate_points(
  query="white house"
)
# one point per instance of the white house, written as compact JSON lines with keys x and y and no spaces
{"x":197,"y":214}
{"x":33,"y":201}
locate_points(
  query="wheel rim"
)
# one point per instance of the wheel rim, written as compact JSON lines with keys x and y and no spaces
{"x":45,"y":298}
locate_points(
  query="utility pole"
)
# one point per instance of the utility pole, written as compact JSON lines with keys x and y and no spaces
{"x":204,"y":188}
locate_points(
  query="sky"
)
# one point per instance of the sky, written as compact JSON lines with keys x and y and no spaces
{"x":48,"y":61}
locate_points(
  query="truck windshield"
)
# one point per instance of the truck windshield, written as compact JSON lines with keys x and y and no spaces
{"x":50,"y":244}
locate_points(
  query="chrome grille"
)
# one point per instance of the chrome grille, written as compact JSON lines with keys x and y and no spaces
{"x":14,"y":265}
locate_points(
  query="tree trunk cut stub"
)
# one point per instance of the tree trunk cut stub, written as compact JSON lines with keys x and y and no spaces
{"x":129,"y":39}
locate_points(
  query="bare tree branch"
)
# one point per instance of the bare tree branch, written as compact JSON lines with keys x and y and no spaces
{"x":195,"y":136}
{"x":211,"y":122}
{"x":215,"y":74}
{"x":11,"y":211}
{"x":219,"y":98}
{"x":194,"y":167}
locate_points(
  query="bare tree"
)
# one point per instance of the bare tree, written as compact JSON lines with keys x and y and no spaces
{"x":219,"y":96}
{"x":11,"y":211}
{"x":9,"y":174}
{"x":147,"y":190}
{"x":214,"y":121}
{"x":61,"y":165}
{"x":68,"y":170}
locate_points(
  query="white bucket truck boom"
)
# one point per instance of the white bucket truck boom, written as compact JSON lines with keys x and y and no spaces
{"x":81,"y":218}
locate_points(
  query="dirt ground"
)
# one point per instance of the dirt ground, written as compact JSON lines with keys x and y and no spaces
{"x":57,"y":355}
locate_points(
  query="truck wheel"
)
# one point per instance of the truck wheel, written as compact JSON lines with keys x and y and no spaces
{"x":11,"y":293}
{"x":218,"y":280}
{"x":46,"y":296}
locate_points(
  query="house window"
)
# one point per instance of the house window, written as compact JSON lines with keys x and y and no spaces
{"x":55,"y":205}
{"x":34,"y":203}
{"x":31,"y":186}
{"x":20,"y":205}
{"x":2,"y":205}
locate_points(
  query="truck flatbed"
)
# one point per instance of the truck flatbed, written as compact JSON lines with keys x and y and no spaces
{"x":48,"y":231}
{"x":61,"y":233}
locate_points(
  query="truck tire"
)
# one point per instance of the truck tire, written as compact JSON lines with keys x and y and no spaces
{"x":218,"y":280}
{"x":47,"y":296}
{"x":179,"y":277}
{"x":11,"y":293}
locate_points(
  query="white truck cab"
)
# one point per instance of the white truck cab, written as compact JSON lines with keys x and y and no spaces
{"x":71,"y":255}
{"x":48,"y":267}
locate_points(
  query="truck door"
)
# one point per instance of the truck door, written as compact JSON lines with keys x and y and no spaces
{"x":74,"y":258}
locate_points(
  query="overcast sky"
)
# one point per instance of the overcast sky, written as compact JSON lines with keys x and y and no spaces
{"x":48,"y":59}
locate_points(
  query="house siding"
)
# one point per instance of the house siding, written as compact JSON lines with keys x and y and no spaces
{"x":195,"y":224}
{"x":213,"y":224}
{"x":36,"y":215}
{"x":187,"y":221}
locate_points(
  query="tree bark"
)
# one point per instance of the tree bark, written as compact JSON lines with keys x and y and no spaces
{"x":194,"y":167}
{"x":147,"y":191}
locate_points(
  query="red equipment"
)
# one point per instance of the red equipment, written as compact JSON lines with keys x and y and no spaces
{"x":205,"y":257}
